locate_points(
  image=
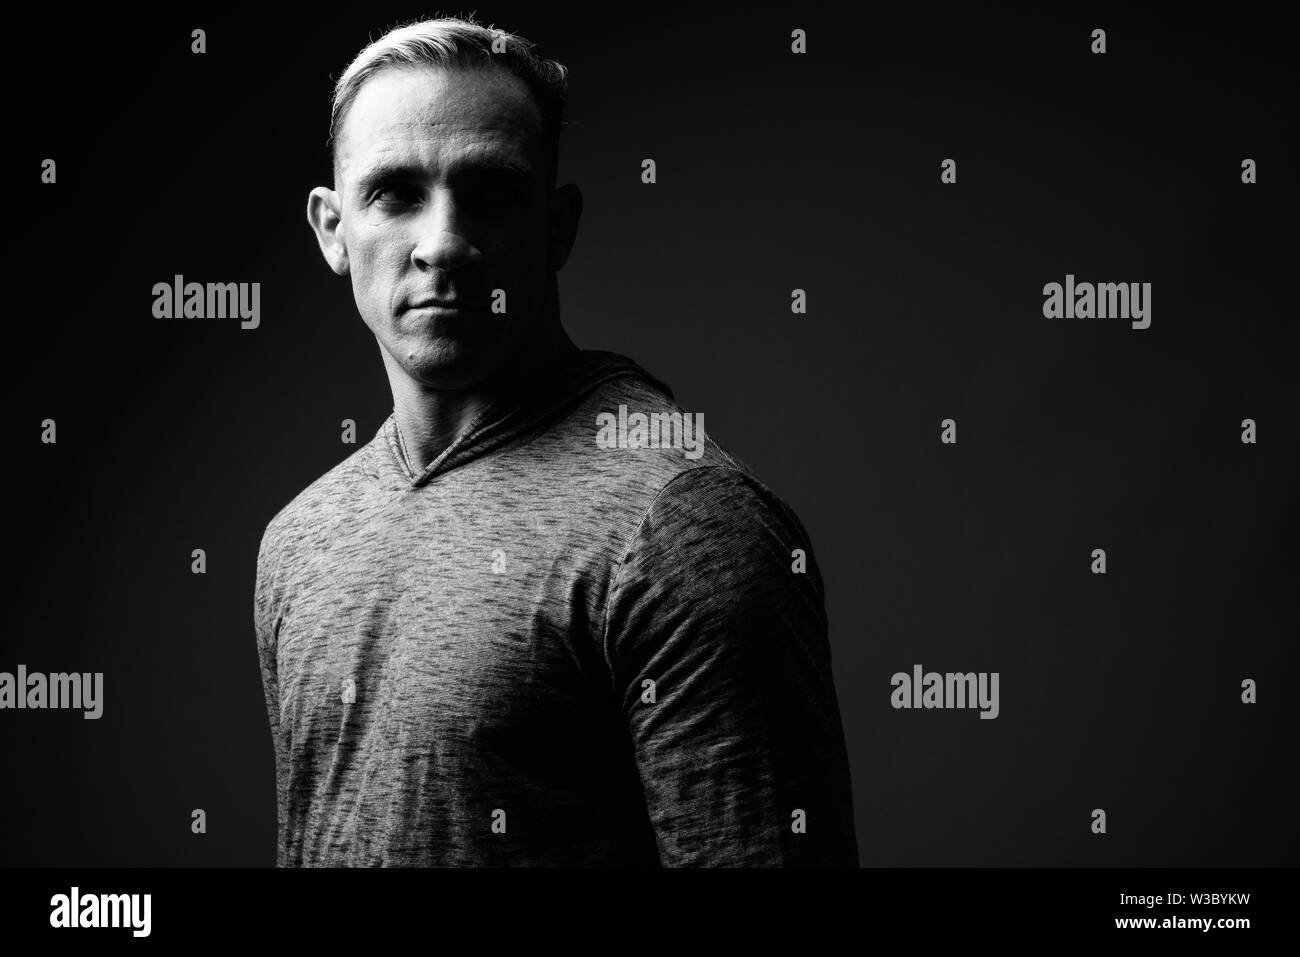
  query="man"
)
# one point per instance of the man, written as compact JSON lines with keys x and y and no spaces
{"x":486,"y":637}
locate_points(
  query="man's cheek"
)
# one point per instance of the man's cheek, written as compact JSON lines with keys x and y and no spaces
{"x":374,"y":278}
{"x":516,"y":279}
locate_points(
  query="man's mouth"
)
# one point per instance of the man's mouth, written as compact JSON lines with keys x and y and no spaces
{"x":443,"y":304}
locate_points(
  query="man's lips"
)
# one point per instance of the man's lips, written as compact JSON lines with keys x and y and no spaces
{"x":443,"y":304}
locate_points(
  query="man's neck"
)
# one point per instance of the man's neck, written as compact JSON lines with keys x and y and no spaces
{"x":430,"y":420}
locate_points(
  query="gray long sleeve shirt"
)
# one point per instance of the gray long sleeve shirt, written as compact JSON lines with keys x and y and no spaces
{"x":539,"y":651}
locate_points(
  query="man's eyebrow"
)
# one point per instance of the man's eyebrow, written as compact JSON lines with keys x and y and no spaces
{"x":385,"y":173}
{"x":496,"y":164}
{"x":406,"y":172}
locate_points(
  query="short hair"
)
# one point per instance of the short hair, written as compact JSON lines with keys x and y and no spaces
{"x":456,"y":42}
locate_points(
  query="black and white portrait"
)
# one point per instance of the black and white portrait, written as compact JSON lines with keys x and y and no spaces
{"x":461,"y":452}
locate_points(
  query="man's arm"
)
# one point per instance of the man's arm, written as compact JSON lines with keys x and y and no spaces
{"x":739,"y":742}
{"x":265,"y":628}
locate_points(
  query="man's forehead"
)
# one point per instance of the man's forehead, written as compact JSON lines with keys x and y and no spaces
{"x":411,"y":113}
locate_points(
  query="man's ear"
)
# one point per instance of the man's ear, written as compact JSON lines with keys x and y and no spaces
{"x":565,"y":211}
{"x":324,"y":214}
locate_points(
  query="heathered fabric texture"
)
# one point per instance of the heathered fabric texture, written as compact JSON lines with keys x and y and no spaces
{"x":437,"y":649}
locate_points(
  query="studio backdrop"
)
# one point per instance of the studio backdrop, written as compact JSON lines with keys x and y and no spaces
{"x":999,"y":302}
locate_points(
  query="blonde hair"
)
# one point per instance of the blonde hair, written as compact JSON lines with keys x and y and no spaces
{"x":459,"y":42}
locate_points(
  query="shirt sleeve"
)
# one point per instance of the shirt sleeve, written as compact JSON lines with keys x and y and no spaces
{"x":265,"y":626}
{"x":716,"y":641}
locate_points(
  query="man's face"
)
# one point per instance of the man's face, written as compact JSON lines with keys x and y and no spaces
{"x":441,"y":192}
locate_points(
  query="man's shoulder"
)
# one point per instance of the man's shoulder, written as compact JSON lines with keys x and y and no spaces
{"x":640,"y":448}
{"x":311,"y":511}
{"x":630,"y":433}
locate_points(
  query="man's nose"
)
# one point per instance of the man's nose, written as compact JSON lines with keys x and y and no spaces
{"x":441,"y":242}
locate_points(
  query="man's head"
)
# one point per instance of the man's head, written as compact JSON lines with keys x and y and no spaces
{"x":445,"y":147}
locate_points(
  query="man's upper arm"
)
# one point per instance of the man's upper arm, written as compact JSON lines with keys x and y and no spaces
{"x":264,"y":624}
{"x":739,"y":742}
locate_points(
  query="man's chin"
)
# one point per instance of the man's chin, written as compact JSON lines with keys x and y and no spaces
{"x":448,"y":363}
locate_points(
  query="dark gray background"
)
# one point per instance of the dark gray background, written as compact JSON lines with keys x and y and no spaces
{"x":775,"y":171}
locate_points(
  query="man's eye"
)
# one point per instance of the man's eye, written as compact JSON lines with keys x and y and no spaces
{"x":396,"y":196}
